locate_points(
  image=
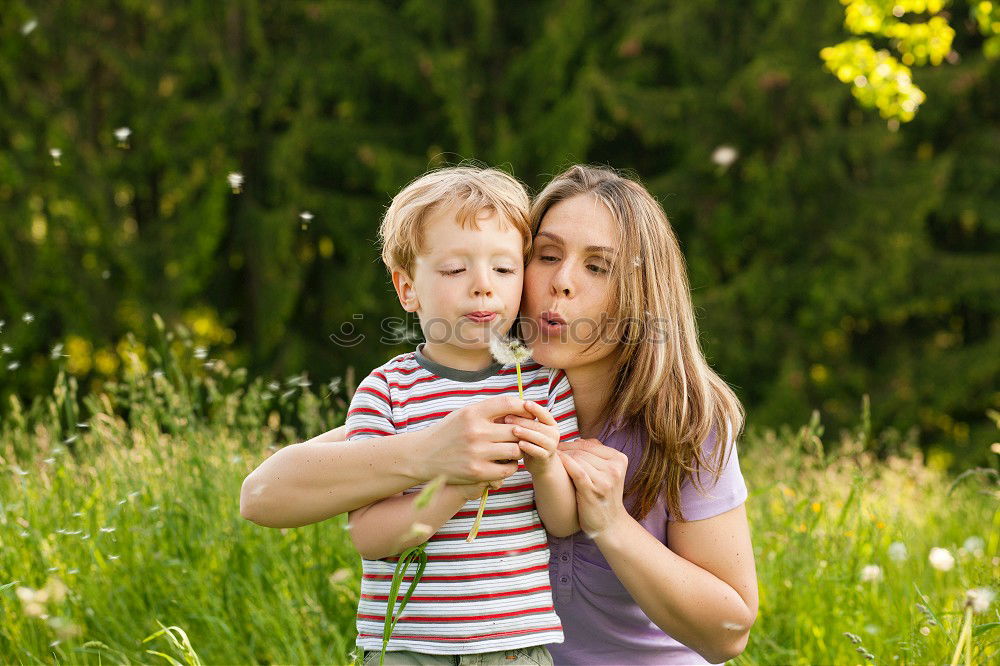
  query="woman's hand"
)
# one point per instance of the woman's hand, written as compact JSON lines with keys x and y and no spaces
{"x":539,"y":438}
{"x":598,"y":472}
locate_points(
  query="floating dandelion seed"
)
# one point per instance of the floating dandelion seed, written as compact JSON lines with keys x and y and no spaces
{"x":113,"y":557}
{"x":200,"y":353}
{"x":122,"y":134}
{"x":306,"y":218}
{"x":51,"y":569}
{"x":980,"y":599}
{"x":332,"y":387}
{"x":49,"y":461}
{"x":871,"y":573}
{"x":107,"y":530}
{"x":274,"y":386}
{"x":73,"y":571}
{"x":82,"y":425}
{"x":155,"y":507}
{"x":29,"y":26}
{"x":77,"y":514}
{"x":56,"y":154}
{"x":897,"y":551}
{"x":13,"y":365}
{"x":941,"y":559}
{"x":2,"y":323}
{"x":235,"y":179}
{"x":27,"y":317}
{"x":105,"y":274}
{"x":6,"y":349}
{"x":724,"y":156}
{"x":57,"y":351}
{"x":70,"y":440}
{"x":975,"y":545}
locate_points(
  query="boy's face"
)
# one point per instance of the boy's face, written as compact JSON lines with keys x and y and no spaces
{"x":465,"y":286}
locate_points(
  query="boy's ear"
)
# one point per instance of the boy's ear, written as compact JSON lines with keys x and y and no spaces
{"x":405,"y":290}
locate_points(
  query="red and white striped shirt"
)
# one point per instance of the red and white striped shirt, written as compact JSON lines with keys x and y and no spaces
{"x":491,"y":594}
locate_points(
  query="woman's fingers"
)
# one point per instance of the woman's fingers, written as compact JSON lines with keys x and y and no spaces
{"x":594,"y":447}
{"x":581,"y":479}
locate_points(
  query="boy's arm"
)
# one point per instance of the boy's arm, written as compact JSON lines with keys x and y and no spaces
{"x":555,"y":494}
{"x":555,"y":500}
{"x":390,"y":526}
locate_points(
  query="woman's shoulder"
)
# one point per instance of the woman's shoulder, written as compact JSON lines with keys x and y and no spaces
{"x":704,"y":495}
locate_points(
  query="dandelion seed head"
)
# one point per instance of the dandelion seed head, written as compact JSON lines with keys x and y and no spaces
{"x":941,"y":559}
{"x":980,"y":599}
{"x":974,"y":543}
{"x":871,"y":573}
{"x":509,"y":351}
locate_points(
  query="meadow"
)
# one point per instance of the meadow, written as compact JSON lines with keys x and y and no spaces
{"x":122,"y":540}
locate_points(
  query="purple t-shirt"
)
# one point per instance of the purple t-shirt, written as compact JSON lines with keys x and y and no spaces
{"x":602,"y":624}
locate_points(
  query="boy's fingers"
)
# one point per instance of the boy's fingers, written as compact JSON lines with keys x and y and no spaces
{"x":541,"y":439}
{"x":540,"y":413}
{"x":533,"y":450}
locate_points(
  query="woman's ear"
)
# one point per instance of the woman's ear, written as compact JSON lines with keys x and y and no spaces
{"x":405,"y":290}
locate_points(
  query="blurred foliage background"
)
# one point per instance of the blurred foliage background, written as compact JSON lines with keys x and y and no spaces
{"x":834,"y":249}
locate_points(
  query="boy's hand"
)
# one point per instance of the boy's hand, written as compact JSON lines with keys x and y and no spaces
{"x":539,"y":438}
{"x":473,"y":491}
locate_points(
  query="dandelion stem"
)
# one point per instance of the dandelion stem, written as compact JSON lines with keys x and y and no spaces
{"x":963,"y":637}
{"x":486,"y":491}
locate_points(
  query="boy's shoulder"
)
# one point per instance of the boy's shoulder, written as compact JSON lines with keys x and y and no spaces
{"x":405,"y":363}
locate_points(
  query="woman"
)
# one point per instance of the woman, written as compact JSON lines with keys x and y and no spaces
{"x":663,"y":570}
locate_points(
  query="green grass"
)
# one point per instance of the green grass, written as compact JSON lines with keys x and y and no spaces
{"x":132,"y":530}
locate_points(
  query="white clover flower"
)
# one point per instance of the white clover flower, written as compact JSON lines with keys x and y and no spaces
{"x":897,"y":551}
{"x":724,"y":156}
{"x":509,"y":351}
{"x":871,"y":573}
{"x":235,"y":179}
{"x":980,"y":599}
{"x":941,"y":559}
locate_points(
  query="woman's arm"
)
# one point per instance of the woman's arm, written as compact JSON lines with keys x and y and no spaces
{"x":702,"y":591}
{"x":315,"y":480}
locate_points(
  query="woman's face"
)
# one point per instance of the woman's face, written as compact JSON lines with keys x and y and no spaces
{"x":567,"y":286}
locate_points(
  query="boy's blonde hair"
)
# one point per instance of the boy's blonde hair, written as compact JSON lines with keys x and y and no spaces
{"x":469,"y":189}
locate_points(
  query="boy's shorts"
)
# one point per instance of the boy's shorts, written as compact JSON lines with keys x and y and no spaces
{"x":537,"y":655}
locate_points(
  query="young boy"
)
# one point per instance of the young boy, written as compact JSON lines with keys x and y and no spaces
{"x":455,"y":241}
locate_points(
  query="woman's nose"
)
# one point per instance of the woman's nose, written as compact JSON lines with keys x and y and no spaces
{"x":561,"y":284}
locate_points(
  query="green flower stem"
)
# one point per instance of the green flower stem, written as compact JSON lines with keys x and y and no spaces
{"x":486,"y":491}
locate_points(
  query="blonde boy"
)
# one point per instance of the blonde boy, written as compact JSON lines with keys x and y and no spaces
{"x":455,"y":241}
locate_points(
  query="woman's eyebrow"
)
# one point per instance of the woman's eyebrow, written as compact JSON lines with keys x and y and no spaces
{"x":589,"y":248}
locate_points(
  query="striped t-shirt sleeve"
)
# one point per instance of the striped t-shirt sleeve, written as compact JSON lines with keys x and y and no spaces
{"x":370,"y":414}
{"x":562,"y":407}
